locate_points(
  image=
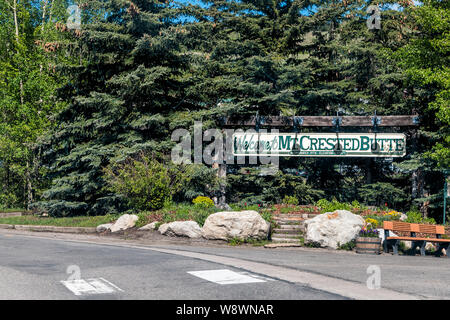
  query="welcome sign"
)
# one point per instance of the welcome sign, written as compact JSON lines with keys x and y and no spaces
{"x":319,"y":144}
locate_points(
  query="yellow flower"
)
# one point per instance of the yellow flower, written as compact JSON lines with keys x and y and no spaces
{"x":372,"y":222}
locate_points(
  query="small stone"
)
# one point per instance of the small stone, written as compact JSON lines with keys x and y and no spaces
{"x":104,"y":227}
{"x":150,"y":226}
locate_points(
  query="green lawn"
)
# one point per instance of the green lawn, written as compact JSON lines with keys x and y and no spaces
{"x":12,"y":210}
{"x":173,"y":212}
{"x":60,"y":222}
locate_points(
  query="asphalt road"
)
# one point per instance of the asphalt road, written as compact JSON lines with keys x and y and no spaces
{"x":54,"y":266}
{"x":33,"y":268}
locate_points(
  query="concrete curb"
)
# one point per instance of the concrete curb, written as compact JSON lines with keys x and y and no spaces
{"x":6,"y":226}
{"x":49,"y":228}
{"x":10,"y":214}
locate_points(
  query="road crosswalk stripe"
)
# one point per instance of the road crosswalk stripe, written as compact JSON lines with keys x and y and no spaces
{"x":225,"y":276}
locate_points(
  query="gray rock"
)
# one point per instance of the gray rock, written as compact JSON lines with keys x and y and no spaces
{"x":224,"y":206}
{"x":428,"y":246}
{"x":241,"y":225}
{"x":104,"y":227}
{"x":189,"y":229}
{"x":125,"y":222}
{"x":150,"y":226}
{"x":332,"y":229}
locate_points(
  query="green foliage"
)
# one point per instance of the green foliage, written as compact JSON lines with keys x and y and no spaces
{"x":414,"y":216}
{"x":349,"y":246}
{"x":380,"y":193}
{"x":85,"y":221}
{"x":254,"y":188}
{"x":196,"y":180}
{"x":74,"y":103}
{"x":145,"y":183}
{"x":425,"y":60}
{"x":290,"y":200}
{"x":203,"y":202}
{"x":177,"y":212}
{"x":333,"y":205}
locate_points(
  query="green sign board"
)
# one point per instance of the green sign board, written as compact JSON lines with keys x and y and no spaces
{"x":319,"y":144}
{"x":448,"y":186}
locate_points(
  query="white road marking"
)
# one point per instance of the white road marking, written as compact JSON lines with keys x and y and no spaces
{"x":225,"y":276}
{"x":90,"y":286}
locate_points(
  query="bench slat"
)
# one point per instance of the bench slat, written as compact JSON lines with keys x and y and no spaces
{"x":419,"y":239}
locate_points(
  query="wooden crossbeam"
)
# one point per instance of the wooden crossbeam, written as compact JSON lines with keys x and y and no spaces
{"x":325,"y":121}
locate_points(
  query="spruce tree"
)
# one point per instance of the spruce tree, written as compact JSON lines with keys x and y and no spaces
{"x":120,"y":98}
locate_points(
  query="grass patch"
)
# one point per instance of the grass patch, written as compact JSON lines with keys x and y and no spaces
{"x":82,"y":221}
{"x":177,"y":212}
{"x":253,"y":242}
{"x":13,"y":210}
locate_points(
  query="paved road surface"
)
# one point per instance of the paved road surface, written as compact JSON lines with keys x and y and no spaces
{"x":46,"y":266}
{"x":33,"y":268}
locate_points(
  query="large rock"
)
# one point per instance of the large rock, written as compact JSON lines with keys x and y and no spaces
{"x":241,"y":225}
{"x":188,"y":229}
{"x":125,"y":222}
{"x":332,"y":229}
{"x":104,"y":227}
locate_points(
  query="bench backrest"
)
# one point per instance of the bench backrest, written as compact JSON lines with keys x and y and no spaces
{"x":413,"y":227}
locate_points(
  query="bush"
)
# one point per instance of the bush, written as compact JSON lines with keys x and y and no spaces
{"x":8,"y":200}
{"x":203,"y":202}
{"x":414,"y":216}
{"x":290,"y":200}
{"x":381,"y":192}
{"x":145,"y":183}
{"x":195,"y":180}
{"x":333,"y":205}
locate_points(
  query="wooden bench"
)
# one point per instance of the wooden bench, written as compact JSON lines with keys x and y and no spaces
{"x":413,"y":229}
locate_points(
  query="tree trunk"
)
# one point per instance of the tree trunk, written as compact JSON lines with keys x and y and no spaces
{"x":28,"y":186}
{"x":369,"y":164}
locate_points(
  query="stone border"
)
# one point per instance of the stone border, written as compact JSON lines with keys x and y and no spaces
{"x":49,"y":228}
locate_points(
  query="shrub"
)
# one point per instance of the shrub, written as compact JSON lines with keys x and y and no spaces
{"x":195,"y":180}
{"x":204,"y":202}
{"x":290,"y":200}
{"x":414,"y":216}
{"x":145,"y":183}
{"x":349,"y":246}
{"x":333,"y":205}
{"x":8,"y":200}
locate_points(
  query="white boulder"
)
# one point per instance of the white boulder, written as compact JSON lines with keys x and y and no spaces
{"x":150,"y":226}
{"x":241,"y":225}
{"x":125,"y":221}
{"x":381,"y":234}
{"x":428,"y":246}
{"x":332,"y":229}
{"x":104,"y":227}
{"x":189,"y":229}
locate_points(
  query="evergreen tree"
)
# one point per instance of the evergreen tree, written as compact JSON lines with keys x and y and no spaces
{"x":120,"y":100}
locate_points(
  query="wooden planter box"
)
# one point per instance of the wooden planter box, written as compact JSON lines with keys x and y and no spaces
{"x":368,"y":245}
